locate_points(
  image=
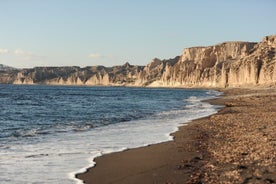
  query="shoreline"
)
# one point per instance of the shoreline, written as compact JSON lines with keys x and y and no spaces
{"x":183,"y":160}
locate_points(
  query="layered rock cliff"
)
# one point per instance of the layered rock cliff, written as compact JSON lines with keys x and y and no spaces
{"x":229,"y":64}
{"x":95,"y":75}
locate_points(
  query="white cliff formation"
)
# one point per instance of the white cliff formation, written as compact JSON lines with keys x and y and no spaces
{"x":229,"y":64}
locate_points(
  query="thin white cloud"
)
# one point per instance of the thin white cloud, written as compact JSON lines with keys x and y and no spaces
{"x":25,"y":54}
{"x":95,"y":56}
{"x":21,"y":52}
{"x":4,"y":51}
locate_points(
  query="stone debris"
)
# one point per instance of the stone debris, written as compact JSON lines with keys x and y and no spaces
{"x":241,"y":143}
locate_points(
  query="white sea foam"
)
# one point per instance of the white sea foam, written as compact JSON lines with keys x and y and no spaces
{"x":193,"y":99}
{"x":57,"y":158}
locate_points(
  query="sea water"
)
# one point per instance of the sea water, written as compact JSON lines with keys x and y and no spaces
{"x":50,"y":133}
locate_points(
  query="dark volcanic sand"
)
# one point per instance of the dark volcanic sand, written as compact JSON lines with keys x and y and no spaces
{"x":236,"y":145}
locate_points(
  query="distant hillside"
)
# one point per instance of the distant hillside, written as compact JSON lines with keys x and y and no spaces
{"x":229,"y":64}
{"x":6,"y":68}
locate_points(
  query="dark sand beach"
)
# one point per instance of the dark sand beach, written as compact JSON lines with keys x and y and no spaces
{"x":236,"y":145}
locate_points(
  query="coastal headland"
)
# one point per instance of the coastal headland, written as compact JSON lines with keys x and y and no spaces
{"x":235,"y":145}
{"x":228,"y":64}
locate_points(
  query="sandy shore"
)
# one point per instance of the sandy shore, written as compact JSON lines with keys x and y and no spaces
{"x":236,"y":145}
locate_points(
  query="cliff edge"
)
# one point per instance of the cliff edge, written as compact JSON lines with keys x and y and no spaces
{"x":228,"y":64}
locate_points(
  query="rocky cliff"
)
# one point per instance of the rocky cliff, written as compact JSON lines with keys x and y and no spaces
{"x":229,"y":64}
{"x":6,"y":68}
{"x":95,"y":75}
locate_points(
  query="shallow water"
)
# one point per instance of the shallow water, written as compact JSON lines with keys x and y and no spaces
{"x":50,"y":133}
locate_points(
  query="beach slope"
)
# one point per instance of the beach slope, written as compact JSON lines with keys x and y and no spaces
{"x":236,"y":145}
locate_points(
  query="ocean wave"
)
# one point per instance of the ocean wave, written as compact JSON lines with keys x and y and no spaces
{"x":214,"y":93}
{"x":25,"y":133}
{"x":71,"y":130}
{"x":37,"y":156}
{"x":193,"y":99}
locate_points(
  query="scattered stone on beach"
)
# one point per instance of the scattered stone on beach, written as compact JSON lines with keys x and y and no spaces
{"x":241,"y":142}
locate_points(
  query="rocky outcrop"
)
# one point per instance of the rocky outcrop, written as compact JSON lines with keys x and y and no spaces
{"x":229,"y":64}
{"x":153,"y":72}
{"x":96,"y":75}
{"x":207,"y":66}
{"x":6,"y":68}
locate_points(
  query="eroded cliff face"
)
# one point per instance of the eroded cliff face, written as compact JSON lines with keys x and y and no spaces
{"x":229,"y":64}
{"x":208,"y":66}
{"x":96,"y":75}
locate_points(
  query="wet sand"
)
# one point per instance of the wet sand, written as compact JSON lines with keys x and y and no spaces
{"x":236,"y":145}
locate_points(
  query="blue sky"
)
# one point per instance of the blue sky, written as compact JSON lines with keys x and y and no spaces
{"x":112,"y":32}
